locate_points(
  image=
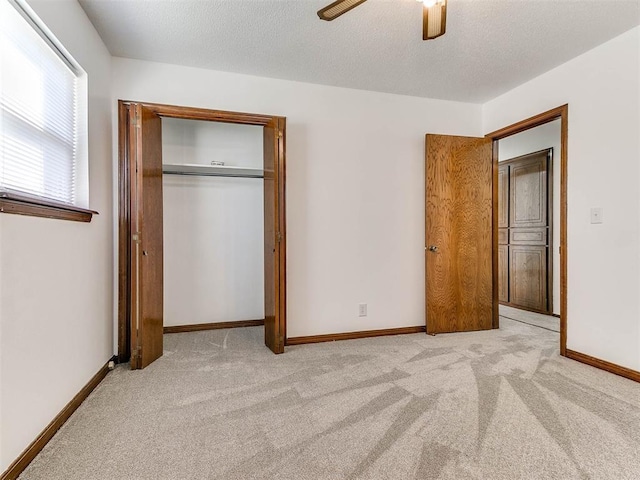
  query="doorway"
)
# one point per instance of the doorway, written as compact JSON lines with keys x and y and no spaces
{"x":462,"y":236}
{"x":530,"y":238}
{"x":529,"y":228}
{"x":213,"y":220}
{"x":141,"y":215}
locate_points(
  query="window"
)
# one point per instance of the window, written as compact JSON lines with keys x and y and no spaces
{"x":43,"y":160}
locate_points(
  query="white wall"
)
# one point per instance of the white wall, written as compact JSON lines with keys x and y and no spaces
{"x":213,"y":227}
{"x":602,"y":88}
{"x":533,"y":140}
{"x":56,"y":314}
{"x":355,"y":186}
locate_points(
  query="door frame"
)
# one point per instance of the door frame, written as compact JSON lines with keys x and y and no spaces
{"x":124,"y":206}
{"x":561,"y":113}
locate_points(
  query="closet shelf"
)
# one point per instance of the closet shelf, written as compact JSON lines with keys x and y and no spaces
{"x":211,"y":170}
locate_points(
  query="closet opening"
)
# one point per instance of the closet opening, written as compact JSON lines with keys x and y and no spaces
{"x":212,"y":188}
{"x":202,"y":238}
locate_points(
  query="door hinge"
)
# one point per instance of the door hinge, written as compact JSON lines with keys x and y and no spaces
{"x":136,"y":237}
{"x":135,"y":122}
{"x":135,"y":353}
{"x":278,"y":237}
{"x":280,"y":134}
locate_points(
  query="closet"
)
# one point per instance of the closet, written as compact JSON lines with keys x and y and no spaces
{"x":524,"y":232}
{"x":202,"y":237}
{"x":213,"y":223}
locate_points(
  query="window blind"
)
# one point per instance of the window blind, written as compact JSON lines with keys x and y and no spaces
{"x":39,"y":121}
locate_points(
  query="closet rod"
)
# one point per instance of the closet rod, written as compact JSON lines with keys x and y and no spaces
{"x":212,"y":170}
{"x":212,"y":174}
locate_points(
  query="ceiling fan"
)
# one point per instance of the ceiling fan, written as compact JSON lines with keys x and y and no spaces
{"x":434,"y":15}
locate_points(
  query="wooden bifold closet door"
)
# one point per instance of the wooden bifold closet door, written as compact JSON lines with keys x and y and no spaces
{"x":274,"y":246}
{"x":524,"y":252}
{"x":147,"y":236}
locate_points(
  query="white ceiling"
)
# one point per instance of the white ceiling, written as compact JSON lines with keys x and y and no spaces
{"x":490,"y":46}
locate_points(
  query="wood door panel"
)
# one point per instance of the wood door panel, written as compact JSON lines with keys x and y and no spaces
{"x":503,"y":196}
{"x":147,"y":251}
{"x":528,"y":236}
{"x":270,"y":327}
{"x":459,"y":203}
{"x":528,"y":192}
{"x":503,"y":236}
{"x":503,"y":273}
{"x":528,"y":276}
{"x":135,"y":174}
{"x":274,"y":250}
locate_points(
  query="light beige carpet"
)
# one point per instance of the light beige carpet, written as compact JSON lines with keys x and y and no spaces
{"x":537,"y":319}
{"x":488,"y":405}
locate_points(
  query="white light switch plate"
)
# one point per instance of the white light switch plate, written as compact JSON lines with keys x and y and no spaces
{"x":362,"y":310}
{"x":596,"y":215}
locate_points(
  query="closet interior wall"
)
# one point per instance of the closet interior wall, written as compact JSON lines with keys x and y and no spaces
{"x":213,"y":226}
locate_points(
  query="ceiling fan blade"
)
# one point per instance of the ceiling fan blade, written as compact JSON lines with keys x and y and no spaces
{"x":333,"y":11}
{"x":434,"y":20}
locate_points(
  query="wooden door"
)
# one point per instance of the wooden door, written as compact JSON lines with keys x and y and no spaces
{"x":274,"y":235}
{"x":528,"y":276}
{"x":146,"y":236}
{"x":526,"y":196}
{"x":459,"y":239}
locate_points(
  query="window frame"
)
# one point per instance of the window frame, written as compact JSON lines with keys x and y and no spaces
{"x":23,"y":203}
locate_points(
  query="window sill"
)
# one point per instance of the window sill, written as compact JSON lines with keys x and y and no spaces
{"x":39,"y":207}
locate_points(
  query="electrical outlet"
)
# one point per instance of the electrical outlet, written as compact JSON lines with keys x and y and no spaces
{"x":362,"y":310}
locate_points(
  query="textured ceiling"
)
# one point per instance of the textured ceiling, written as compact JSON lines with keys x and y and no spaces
{"x":490,"y":46}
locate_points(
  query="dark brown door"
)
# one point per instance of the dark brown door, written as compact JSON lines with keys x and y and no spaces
{"x":274,"y":248}
{"x":525,"y":197}
{"x":459,"y":246}
{"x":146,"y":239}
